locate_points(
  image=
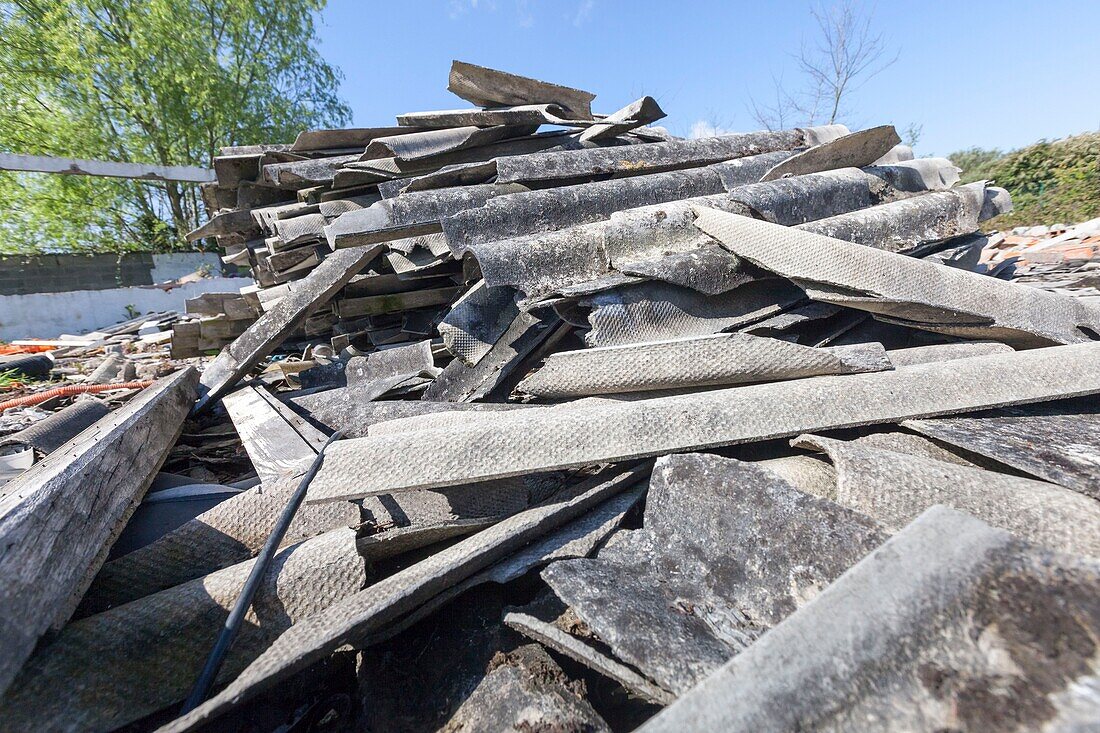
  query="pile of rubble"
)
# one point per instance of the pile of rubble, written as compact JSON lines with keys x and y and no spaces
{"x":211,"y":321}
{"x":1056,"y":257}
{"x":591,"y":429}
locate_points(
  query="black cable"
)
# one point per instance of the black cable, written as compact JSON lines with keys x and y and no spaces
{"x":263,"y":560}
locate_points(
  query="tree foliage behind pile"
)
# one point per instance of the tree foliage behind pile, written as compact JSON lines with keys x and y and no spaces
{"x":153,"y":81}
{"x":1050,"y":182}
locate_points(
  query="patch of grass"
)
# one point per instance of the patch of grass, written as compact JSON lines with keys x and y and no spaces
{"x":1050,"y":182}
{"x":11,"y":379}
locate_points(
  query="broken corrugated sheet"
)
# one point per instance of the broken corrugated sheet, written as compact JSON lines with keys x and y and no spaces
{"x":894,"y":488}
{"x":707,"y":361}
{"x":906,"y":290}
{"x":367,"y":611}
{"x":933,"y":629}
{"x":122,"y":660}
{"x":526,"y":690}
{"x":491,"y":88}
{"x":726,"y":552}
{"x":276,"y":439}
{"x":559,"y":641}
{"x":51,"y":433}
{"x":227,"y":534}
{"x":806,"y":329}
{"x":855,"y":150}
{"x":654,"y":311}
{"x":568,"y":436}
{"x":1056,"y":443}
{"x":657,"y":157}
{"x":276,"y":324}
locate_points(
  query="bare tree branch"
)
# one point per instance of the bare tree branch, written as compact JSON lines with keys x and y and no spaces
{"x":845,"y":54}
{"x":848,"y":53}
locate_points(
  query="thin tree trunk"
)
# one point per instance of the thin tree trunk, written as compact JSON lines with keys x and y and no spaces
{"x":175,"y":201}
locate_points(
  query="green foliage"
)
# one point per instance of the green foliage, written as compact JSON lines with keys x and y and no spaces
{"x":160,"y":81}
{"x":977,"y":163}
{"x":1050,"y":182}
{"x":10,"y":379}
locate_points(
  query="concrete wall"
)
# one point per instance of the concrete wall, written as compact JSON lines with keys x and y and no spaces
{"x":174,"y":265}
{"x":61,"y":273}
{"x":48,"y":315}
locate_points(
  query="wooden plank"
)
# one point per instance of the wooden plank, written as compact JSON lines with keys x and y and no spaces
{"x":59,"y":519}
{"x":265,"y":335}
{"x":376,"y":305}
{"x":108,"y":169}
{"x":276,"y":443}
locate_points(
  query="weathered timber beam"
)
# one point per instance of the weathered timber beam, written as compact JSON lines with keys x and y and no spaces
{"x":59,"y":519}
{"x":104,"y":168}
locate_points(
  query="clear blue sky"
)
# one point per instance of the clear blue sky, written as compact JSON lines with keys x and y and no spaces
{"x":973,"y":72}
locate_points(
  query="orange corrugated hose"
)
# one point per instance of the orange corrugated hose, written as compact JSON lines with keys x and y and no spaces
{"x":37,"y":399}
{"x":6,"y":349}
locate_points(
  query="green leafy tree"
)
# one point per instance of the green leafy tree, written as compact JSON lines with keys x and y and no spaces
{"x":155,"y":81}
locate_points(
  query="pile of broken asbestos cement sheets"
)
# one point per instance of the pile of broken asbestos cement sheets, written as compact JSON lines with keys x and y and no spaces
{"x":732,"y":433}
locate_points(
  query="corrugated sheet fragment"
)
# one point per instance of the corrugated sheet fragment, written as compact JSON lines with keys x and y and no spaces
{"x":917,"y":293}
{"x":935,"y":629}
{"x":726,"y":551}
{"x":1057,"y":443}
{"x":707,"y":361}
{"x":554,"y":437}
{"x":895,"y":488}
{"x":656,"y":157}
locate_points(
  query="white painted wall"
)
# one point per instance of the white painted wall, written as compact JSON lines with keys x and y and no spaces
{"x":48,"y":315}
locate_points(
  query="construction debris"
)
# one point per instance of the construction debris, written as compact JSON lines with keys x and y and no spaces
{"x":58,"y":520}
{"x":929,"y":630}
{"x":755,"y":432}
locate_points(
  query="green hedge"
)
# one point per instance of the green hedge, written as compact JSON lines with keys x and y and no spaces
{"x":1050,"y":182}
